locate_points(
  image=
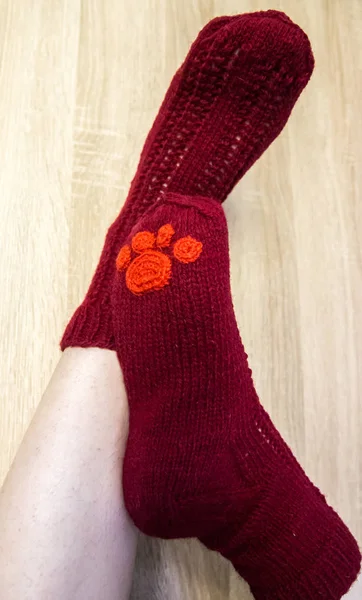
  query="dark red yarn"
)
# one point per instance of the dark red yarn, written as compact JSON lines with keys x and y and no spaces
{"x":226,"y":104}
{"x":203,"y":458}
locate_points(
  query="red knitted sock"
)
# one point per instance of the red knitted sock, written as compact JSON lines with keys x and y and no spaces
{"x":203,"y":458}
{"x":225,"y":105}
{"x":91,"y":323}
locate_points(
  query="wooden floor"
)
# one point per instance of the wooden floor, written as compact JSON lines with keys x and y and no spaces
{"x":80,"y":83}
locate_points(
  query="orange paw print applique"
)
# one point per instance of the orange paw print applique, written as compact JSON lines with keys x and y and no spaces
{"x":151,"y":269}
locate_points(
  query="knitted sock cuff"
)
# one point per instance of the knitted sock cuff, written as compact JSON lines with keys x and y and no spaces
{"x":91,"y":325}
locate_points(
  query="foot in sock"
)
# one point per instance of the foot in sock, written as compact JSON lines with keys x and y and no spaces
{"x":203,"y":458}
{"x":225,"y":105}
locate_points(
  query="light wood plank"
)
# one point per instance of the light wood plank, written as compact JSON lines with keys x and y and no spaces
{"x":38,"y":48}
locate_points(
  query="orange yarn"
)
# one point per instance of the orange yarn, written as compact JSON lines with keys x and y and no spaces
{"x":187,"y":249}
{"x":149,"y":271}
{"x":123,"y":258}
{"x":144,"y":240}
{"x":164,"y":236}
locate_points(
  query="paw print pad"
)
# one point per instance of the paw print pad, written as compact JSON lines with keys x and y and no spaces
{"x":151,"y":269}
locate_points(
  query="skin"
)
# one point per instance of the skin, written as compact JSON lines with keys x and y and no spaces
{"x":64,"y":530}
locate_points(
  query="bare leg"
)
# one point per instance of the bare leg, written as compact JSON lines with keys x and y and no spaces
{"x":64,"y":530}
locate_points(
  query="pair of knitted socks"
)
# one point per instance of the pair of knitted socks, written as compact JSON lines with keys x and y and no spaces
{"x":203,"y":458}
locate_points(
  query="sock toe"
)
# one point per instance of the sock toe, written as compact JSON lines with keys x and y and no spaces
{"x":228,"y":101}
{"x":288,"y":40}
{"x":255,"y":71}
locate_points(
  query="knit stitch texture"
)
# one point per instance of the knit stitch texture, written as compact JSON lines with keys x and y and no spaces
{"x":229,"y":100}
{"x":203,"y":458}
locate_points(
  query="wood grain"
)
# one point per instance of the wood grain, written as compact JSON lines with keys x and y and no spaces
{"x":81,"y":81}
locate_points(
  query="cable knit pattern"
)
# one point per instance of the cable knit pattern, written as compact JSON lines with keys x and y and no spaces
{"x":229,"y":100}
{"x":203,"y":458}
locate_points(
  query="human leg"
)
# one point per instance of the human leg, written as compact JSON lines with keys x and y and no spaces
{"x":64,"y":530}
